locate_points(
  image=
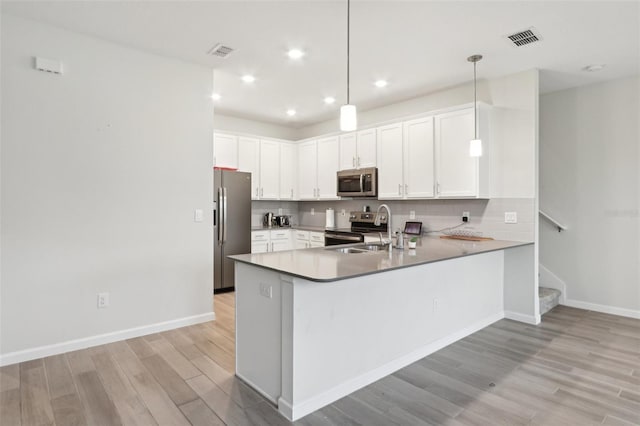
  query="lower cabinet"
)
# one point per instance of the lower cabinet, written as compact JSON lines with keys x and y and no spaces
{"x":308,"y":239}
{"x":271,"y":240}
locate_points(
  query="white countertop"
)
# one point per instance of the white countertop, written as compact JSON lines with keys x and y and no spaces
{"x":327,"y":264}
{"x":300,"y":227}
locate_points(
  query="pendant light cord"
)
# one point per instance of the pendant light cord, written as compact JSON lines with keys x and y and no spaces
{"x":348,"y":42}
{"x":475,"y":103}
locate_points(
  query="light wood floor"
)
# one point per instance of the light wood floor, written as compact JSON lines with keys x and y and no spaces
{"x":576,"y":368}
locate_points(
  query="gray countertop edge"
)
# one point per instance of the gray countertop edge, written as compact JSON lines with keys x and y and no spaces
{"x":293,"y":227}
{"x":514,"y":244}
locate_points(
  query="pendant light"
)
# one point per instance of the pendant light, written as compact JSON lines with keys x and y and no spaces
{"x":475,"y":146}
{"x":348,"y":114}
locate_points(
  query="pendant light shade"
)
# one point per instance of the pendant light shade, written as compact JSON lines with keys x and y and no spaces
{"x":475,"y":145}
{"x":348,"y":113}
{"x":348,"y":118}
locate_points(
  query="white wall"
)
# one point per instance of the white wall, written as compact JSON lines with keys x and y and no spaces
{"x":102,"y":168}
{"x":590,"y":181}
{"x":242,"y":125}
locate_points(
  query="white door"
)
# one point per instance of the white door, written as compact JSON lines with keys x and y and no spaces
{"x":269,"y":169}
{"x":419,"y":174}
{"x":301,"y":244}
{"x":389,"y":144}
{"x":456,"y":171}
{"x":328,"y":153}
{"x":287,"y":171}
{"x":366,"y":149}
{"x":280,"y":245}
{"x":348,"y":152}
{"x":249,"y":161}
{"x":225,"y":151}
{"x":307,"y":177}
{"x":260,"y":247}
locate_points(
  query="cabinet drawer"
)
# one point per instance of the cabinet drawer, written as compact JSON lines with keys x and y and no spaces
{"x":284,"y":234}
{"x":317,"y":237}
{"x":259,"y":235}
{"x":302,"y":235}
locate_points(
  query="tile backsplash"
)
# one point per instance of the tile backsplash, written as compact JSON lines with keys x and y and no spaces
{"x":487,"y":216}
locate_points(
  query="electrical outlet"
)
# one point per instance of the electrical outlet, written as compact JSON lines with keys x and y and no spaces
{"x":343,"y":212}
{"x":197,"y":215}
{"x":103,"y":300}
{"x":280,"y":211}
{"x":313,"y":211}
{"x":510,"y":217}
{"x":466,"y":216}
{"x":266,"y":290}
{"x":412,"y":214}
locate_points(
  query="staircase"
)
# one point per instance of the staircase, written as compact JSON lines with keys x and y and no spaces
{"x":549,"y":299}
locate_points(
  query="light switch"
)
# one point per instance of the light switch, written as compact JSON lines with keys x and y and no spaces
{"x":197,"y":215}
{"x":412,"y":214}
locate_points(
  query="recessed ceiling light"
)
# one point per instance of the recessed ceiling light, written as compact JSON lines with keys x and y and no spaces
{"x":291,"y":112}
{"x":381,"y":83}
{"x":216,"y":96}
{"x":594,"y":67}
{"x":329,"y":100}
{"x":295,"y":53}
{"x":248,"y":78}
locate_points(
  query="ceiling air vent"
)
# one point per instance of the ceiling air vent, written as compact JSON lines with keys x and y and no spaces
{"x":220,"y":50}
{"x":525,"y":37}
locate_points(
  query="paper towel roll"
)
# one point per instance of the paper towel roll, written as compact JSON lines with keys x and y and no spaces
{"x":331,"y":218}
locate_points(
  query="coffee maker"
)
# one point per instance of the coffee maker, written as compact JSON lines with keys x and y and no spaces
{"x":269,"y":220}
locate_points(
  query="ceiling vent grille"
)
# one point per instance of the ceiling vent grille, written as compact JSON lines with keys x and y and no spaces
{"x":220,"y":50}
{"x":525,"y":37}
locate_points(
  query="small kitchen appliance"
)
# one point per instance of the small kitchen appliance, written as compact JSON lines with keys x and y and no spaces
{"x":268,"y":220}
{"x":283,"y":220}
{"x":358,"y":182}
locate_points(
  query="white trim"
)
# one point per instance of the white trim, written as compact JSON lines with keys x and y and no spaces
{"x":606,"y":309}
{"x":294,"y":412}
{"x":528,"y":319}
{"x":101,"y":339}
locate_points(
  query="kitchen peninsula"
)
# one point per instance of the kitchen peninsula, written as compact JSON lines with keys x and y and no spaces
{"x":315,"y":325}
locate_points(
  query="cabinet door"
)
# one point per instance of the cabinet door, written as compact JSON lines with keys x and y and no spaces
{"x":348,"y":151}
{"x":316,"y":244}
{"x":269,"y":169}
{"x":389,"y":144}
{"x":287,"y":171}
{"x":280,"y":245}
{"x":456,"y":171}
{"x":249,"y":161}
{"x":328,"y":153}
{"x":301,"y":244}
{"x":260,"y":247}
{"x":419,"y":174}
{"x":225,"y":151}
{"x":366,"y":149}
{"x":307,"y":175}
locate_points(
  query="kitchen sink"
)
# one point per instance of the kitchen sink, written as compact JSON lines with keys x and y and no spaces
{"x":375,"y":247}
{"x":361,"y":248}
{"x":350,"y":250}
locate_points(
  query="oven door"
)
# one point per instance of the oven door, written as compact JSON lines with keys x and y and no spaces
{"x":333,"y":238}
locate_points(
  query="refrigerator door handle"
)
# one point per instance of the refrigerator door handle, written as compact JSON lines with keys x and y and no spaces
{"x":224,"y":215}
{"x":219,"y":221}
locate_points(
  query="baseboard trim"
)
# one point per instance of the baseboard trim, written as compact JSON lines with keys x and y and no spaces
{"x":294,"y":412}
{"x":605,"y":309}
{"x":528,"y":319}
{"x":257,"y":388}
{"x":101,"y":339}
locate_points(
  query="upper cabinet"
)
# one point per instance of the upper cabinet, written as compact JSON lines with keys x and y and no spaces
{"x":288,"y":171}
{"x":270,"y":170}
{"x":459,"y":175}
{"x":317,"y":167}
{"x":358,"y":150}
{"x":225,"y":151}
{"x":249,"y":161}
{"x":390,"y":168}
{"x":418,"y":156}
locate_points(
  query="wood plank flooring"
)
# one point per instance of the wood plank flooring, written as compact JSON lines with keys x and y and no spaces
{"x":576,"y":368}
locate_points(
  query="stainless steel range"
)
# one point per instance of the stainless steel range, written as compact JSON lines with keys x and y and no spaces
{"x":361,"y":223}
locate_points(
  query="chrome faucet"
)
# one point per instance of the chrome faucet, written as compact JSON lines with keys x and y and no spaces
{"x":377,"y":221}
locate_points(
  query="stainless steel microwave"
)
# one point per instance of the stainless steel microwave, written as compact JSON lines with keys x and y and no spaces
{"x":358,"y":182}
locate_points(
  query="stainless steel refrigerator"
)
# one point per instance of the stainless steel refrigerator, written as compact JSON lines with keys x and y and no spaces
{"x":231,"y":224}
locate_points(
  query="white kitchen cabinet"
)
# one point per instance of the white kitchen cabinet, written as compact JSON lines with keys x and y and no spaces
{"x":225,"y":150}
{"x":418,"y":151}
{"x":288,"y":171}
{"x":459,"y":175}
{"x":328,"y":152}
{"x":358,"y":150}
{"x":301,"y":239}
{"x":269,"y":170}
{"x":317,"y":168}
{"x":270,"y":241}
{"x":390,"y":167}
{"x":260,"y":241}
{"x":249,"y":161}
{"x":316,"y":239}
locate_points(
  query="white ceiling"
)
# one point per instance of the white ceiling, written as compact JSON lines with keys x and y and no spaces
{"x":418,"y":46}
